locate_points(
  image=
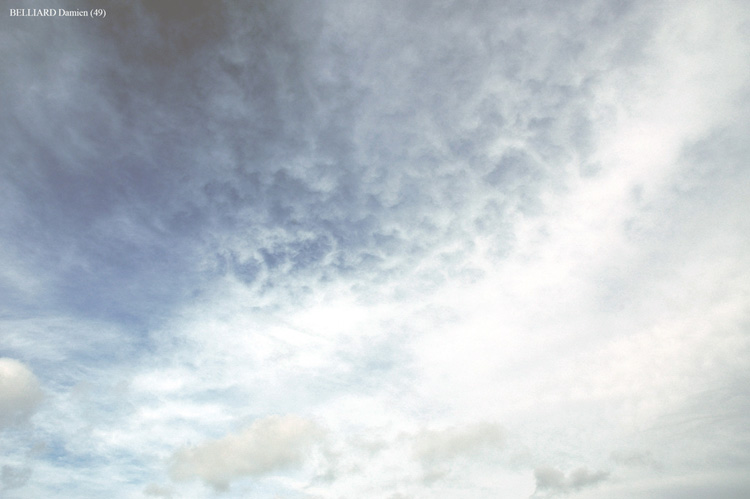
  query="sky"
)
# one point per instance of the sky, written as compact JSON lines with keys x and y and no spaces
{"x":401,"y":250}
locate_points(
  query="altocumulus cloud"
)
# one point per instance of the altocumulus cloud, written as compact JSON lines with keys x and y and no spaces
{"x":269,"y":444}
{"x":20,"y":394}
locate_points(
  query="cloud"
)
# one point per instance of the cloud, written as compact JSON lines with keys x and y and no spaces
{"x":553,"y":481}
{"x":13,"y":477}
{"x":281,"y":157}
{"x":535,"y":212}
{"x":549,"y":478}
{"x":437,"y":450}
{"x":20,"y":394}
{"x":156,"y":490}
{"x":631,"y":458}
{"x":441,"y":445}
{"x":270,"y":444}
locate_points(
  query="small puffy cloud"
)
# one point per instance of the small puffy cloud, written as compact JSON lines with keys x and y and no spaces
{"x":441,"y":445}
{"x":20,"y":393}
{"x":553,"y":481}
{"x":270,"y":444}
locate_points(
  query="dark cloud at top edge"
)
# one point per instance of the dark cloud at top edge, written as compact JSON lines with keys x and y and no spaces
{"x":188,"y":135}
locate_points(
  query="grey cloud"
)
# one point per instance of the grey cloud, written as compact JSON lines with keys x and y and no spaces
{"x":92,"y":165}
{"x":554,"y":481}
{"x":214,"y":139}
{"x":13,"y":477}
{"x":549,"y":478}
{"x":582,"y":477}
{"x":268,"y":445}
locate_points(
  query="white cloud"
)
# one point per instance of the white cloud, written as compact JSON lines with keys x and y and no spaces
{"x":454,"y":214}
{"x":270,"y":444}
{"x":20,"y":394}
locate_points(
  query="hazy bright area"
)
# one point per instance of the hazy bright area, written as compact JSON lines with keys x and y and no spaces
{"x":376,"y":249}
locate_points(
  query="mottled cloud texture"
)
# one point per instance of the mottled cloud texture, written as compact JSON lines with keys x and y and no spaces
{"x":375,"y":249}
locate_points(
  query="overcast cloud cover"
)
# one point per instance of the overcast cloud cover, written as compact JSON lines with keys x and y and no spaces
{"x":378,"y":249}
